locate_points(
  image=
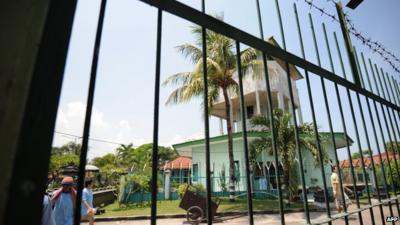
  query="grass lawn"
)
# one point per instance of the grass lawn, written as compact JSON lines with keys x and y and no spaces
{"x":171,"y":207}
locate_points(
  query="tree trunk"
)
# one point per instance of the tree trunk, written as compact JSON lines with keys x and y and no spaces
{"x":232,"y":178}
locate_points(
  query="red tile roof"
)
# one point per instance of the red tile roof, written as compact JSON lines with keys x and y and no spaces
{"x":367,"y":160}
{"x":181,"y":162}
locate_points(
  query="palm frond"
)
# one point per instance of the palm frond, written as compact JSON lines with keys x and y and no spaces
{"x":178,"y":79}
{"x":190,"y":51}
{"x":260,"y":120}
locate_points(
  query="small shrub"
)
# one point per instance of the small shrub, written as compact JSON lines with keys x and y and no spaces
{"x":196,"y":188}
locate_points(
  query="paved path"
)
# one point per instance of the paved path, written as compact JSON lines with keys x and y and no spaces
{"x":290,"y":218}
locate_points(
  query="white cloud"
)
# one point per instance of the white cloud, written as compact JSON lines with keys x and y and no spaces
{"x":70,"y":119}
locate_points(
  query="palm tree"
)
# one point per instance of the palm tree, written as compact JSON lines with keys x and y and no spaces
{"x":221,"y":67}
{"x":285,"y":139}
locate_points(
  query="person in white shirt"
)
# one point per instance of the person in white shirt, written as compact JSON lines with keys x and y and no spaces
{"x":337,"y":191}
{"x":87,"y":210}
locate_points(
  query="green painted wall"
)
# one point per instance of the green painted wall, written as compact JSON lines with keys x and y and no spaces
{"x":219,"y":159}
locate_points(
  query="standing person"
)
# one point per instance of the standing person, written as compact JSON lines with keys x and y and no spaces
{"x":337,"y":191}
{"x":47,"y":212}
{"x":87,"y":211}
{"x":64,"y":202}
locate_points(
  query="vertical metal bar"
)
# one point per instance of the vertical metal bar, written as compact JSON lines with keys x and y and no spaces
{"x":260,"y":26}
{"x":329,"y":114}
{"x":314,"y":118}
{"x":244,"y":132}
{"x":347,"y":40}
{"x":88,"y":115}
{"x":368,"y":142}
{"x":284,"y":46}
{"x":385,"y":82}
{"x":379,"y":153}
{"x":347,"y":141}
{"x":154,"y":171}
{"x":330,"y":121}
{"x":380,"y":81}
{"x":206,"y":119}
{"x":372,"y":160}
{"x":396,"y":86}
{"x":340,"y":58}
{"x":387,"y":155}
{"x":271,"y":118}
{"x":359,"y":68}
{"x":303,"y":181}
{"x":396,"y":90}
{"x":273,"y":138}
{"x":366,"y":72}
{"x":32,"y":150}
{"x":274,"y":147}
{"x":314,"y":39}
{"x":299,"y":153}
{"x":395,"y":140}
{"x":373,"y":76}
{"x":358,"y":137}
{"x":386,"y":151}
{"x":398,"y":132}
{"x":360,"y":152}
{"x":389,"y":134}
{"x":392,"y":89}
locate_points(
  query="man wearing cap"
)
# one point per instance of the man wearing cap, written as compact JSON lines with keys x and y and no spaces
{"x":64,"y":202}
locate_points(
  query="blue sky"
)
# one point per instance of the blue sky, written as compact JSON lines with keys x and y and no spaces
{"x":123,"y":107}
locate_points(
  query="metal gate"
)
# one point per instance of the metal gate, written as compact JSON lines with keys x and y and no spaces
{"x":373,"y":94}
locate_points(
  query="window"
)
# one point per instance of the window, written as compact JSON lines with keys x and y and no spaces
{"x":258,"y":170}
{"x":249,"y":111}
{"x":195,"y":172}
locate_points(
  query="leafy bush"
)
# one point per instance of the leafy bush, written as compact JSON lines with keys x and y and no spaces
{"x":196,"y":188}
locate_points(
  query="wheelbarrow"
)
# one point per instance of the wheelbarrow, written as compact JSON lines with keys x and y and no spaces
{"x":196,"y":207}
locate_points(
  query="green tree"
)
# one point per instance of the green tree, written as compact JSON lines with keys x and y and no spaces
{"x":221,"y":67}
{"x":109,"y":165}
{"x":58,"y":161}
{"x":65,"y":155}
{"x":123,"y":151}
{"x":109,"y":158}
{"x":140,"y":158}
{"x":391,"y":146}
{"x":286,"y":144}
{"x":69,"y":148}
{"x":395,"y":173}
{"x":356,"y":155}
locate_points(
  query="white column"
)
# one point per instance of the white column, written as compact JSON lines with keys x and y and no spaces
{"x":300,"y":115}
{"x":167,"y":184}
{"x":221,"y":126}
{"x":281,"y":102}
{"x":258,"y":103}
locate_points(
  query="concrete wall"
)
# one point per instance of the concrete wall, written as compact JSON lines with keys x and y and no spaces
{"x":219,"y":158}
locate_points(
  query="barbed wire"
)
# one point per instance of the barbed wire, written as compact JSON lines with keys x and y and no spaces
{"x":374,"y":46}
